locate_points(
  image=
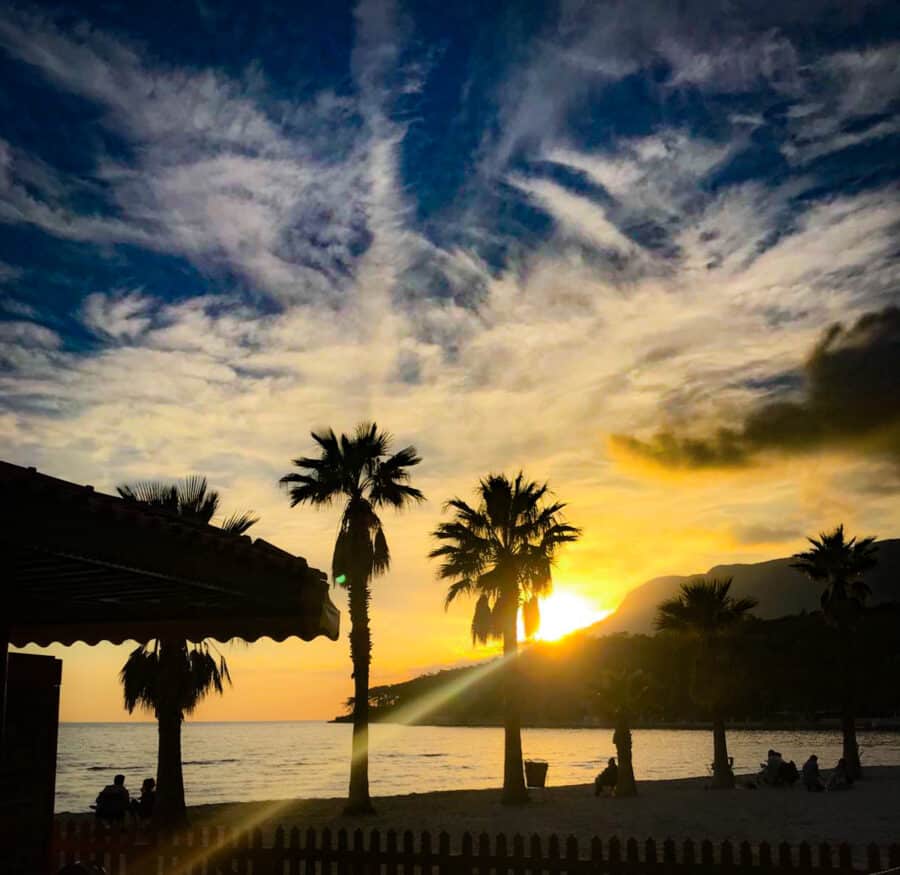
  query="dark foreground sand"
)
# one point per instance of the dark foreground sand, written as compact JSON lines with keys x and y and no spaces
{"x":869,"y":812}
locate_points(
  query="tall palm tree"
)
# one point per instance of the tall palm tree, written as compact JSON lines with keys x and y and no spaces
{"x":706,"y":611}
{"x":622,"y":694}
{"x":169,"y":676}
{"x":840,"y":564}
{"x":501,"y":553}
{"x":360,"y":469}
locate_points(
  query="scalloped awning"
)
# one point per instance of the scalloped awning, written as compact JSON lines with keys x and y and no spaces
{"x":79,"y":565}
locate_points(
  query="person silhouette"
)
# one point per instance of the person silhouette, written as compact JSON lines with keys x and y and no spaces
{"x":608,"y":778}
{"x":113,"y":801}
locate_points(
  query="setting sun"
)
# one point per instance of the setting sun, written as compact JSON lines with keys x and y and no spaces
{"x":564,"y":612}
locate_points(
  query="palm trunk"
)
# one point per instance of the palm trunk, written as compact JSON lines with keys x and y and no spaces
{"x":514,"y":792}
{"x":850,"y":746}
{"x":723,"y":776}
{"x":625,"y":784}
{"x":169,"y":810}
{"x":359,"y":801}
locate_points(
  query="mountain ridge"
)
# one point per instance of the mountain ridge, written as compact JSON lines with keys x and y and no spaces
{"x":780,"y":590}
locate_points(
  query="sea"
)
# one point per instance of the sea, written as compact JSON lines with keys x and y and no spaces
{"x":229,"y":762}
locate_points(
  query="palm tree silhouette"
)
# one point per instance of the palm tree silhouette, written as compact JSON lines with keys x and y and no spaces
{"x":840,"y":565}
{"x":169,"y":676}
{"x":501,"y":552}
{"x":622,"y":694}
{"x":705,"y":610}
{"x":361,"y":469}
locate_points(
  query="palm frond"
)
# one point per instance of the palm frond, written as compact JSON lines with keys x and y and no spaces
{"x":703,"y":607}
{"x":381,"y":554}
{"x":455,"y":590}
{"x":238,"y":523}
{"x":195,"y":500}
{"x":153,"y":492}
{"x":531,"y":617}
{"x":482,"y":621}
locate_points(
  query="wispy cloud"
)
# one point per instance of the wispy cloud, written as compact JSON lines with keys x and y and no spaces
{"x":671,"y":289}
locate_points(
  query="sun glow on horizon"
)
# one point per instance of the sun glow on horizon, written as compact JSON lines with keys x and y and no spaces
{"x":565,"y":612}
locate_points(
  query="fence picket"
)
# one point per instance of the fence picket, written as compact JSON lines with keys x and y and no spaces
{"x":343,"y":855}
{"x":216,"y":850}
{"x":534,"y":855}
{"x":785,"y":858}
{"x":518,"y":852}
{"x":894,"y":856}
{"x":873,"y":858}
{"x":572,"y":856}
{"x":326,"y":853}
{"x":444,"y":860}
{"x":426,"y":851}
{"x":310,"y":850}
{"x":804,"y":852}
{"x":845,"y":856}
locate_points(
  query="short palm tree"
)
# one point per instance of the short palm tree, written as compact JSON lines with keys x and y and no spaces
{"x":361,"y":470}
{"x":840,"y":564}
{"x":622,"y":694}
{"x":169,"y":676}
{"x":706,"y":611}
{"x":501,"y":552}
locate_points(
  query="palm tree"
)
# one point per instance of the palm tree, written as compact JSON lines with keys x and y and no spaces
{"x":840,"y":565}
{"x":361,"y":470}
{"x":622,"y":694}
{"x":169,"y":676}
{"x":501,"y":553}
{"x":705,"y":610}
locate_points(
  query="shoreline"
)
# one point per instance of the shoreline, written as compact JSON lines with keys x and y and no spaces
{"x":677,"y":808}
{"x":872,"y":724}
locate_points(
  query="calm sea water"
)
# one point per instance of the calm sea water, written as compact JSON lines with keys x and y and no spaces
{"x":259,"y":761}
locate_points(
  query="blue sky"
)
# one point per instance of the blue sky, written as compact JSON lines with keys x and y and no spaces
{"x":600,"y":241}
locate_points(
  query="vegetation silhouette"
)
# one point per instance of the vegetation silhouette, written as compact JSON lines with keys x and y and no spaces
{"x":622,"y":694}
{"x":785,"y":670}
{"x":361,"y":469}
{"x":169,"y":676}
{"x":840,"y":564}
{"x":501,"y":553}
{"x":706,"y":612}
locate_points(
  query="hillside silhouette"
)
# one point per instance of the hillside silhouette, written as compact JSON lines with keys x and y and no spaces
{"x":779,"y":589}
{"x":786,"y":661}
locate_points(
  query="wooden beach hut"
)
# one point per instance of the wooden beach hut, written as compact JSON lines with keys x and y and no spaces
{"x":78,"y":565}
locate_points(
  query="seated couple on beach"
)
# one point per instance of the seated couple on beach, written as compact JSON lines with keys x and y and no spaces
{"x":607,"y":779}
{"x":840,"y":778}
{"x":114,"y":801}
{"x":778,"y":773}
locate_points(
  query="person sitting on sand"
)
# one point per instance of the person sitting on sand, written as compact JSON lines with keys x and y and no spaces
{"x":840,"y":778}
{"x":771,"y":768}
{"x":607,"y":779}
{"x":142,"y":808}
{"x":113,"y":801}
{"x":810,"y":772}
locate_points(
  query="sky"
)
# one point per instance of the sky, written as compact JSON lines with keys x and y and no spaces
{"x":647,"y":252}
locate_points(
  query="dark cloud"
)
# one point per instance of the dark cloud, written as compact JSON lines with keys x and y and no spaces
{"x":852,"y":399}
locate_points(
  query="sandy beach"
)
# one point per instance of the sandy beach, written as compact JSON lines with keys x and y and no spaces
{"x":677,"y":809}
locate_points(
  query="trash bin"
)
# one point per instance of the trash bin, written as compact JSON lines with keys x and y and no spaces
{"x":536,"y":773}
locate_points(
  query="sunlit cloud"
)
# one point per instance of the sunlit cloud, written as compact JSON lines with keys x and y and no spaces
{"x":592,"y":272}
